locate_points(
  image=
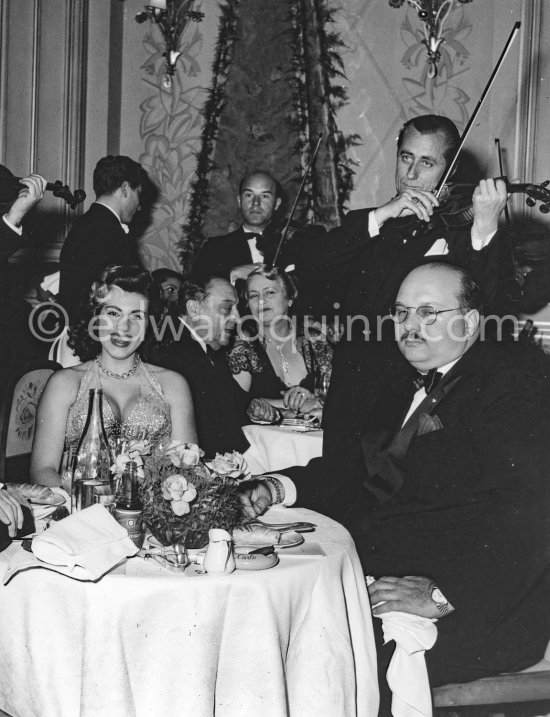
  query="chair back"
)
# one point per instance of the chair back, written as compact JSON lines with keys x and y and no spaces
{"x":18,"y":406}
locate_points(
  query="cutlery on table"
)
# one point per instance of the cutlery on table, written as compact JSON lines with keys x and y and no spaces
{"x":298,"y":526}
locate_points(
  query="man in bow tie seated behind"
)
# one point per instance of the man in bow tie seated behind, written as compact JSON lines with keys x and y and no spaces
{"x":233,"y":256}
{"x":194,"y":348}
{"x":445,"y":493}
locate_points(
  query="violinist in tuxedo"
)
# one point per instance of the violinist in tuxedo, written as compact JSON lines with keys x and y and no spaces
{"x":368,"y":256}
{"x":439,"y":469}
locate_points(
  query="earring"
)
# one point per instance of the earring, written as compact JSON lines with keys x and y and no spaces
{"x":290,"y":302}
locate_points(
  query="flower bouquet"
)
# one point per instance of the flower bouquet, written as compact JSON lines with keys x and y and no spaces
{"x":184,"y":496}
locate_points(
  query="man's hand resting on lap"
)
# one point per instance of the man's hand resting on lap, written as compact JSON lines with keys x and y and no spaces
{"x":409,"y":594}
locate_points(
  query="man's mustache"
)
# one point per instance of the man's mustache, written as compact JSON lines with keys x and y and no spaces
{"x":412,"y":334}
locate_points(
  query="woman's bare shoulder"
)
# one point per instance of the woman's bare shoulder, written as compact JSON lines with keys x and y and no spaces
{"x":167,"y":378}
{"x":68,"y":378}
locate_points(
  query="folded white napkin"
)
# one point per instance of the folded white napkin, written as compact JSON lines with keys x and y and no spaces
{"x":85,"y":546}
{"x":407,"y":674}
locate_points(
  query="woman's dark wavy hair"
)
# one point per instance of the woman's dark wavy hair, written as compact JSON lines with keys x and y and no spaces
{"x":128,"y":278}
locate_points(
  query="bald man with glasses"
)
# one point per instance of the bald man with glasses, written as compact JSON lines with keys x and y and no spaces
{"x":439,"y":469}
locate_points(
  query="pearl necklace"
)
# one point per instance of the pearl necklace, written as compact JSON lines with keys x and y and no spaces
{"x":122,"y":376}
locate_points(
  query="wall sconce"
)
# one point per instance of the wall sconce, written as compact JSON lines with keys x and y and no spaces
{"x":171,"y":17}
{"x":433,"y":14}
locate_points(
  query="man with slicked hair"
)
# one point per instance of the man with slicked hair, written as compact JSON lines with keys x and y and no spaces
{"x":102,"y":236}
{"x":366,"y":258}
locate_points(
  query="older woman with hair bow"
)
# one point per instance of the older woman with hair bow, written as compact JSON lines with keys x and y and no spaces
{"x":279,"y":356}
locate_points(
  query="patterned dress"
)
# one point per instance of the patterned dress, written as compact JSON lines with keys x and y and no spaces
{"x":251,"y":356}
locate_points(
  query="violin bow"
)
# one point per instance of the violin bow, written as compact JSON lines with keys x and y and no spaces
{"x":501,"y":171}
{"x":298,"y":195}
{"x":481,"y":100}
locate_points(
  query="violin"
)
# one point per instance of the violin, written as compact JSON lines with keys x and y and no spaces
{"x":10,"y":186}
{"x":289,"y":222}
{"x":444,"y":181}
{"x":456,"y":200}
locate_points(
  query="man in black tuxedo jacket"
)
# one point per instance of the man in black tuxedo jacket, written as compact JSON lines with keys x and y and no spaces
{"x":207,"y":322}
{"x":101,"y":236}
{"x":443,"y":485}
{"x":233,"y":256}
{"x":363,"y":262}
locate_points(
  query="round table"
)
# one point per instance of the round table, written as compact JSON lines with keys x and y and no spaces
{"x":292,"y":640}
{"x":273,"y":448}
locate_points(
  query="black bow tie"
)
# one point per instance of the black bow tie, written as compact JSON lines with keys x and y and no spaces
{"x":427,"y":381}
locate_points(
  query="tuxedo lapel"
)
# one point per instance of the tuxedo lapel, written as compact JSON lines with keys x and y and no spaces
{"x":385,"y":451}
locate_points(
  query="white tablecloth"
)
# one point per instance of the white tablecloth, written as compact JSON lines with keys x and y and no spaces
{"x":273,"y":448}
{"x":295,"y":640}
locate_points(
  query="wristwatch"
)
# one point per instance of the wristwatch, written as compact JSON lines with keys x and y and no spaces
{"x":440,"y":601}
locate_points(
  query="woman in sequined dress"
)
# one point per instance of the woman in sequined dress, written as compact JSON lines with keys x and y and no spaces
{"x":140,"y":401}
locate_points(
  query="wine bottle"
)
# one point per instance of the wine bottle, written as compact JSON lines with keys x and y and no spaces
{"x":129,"y":508}
{"x":92,"y":477}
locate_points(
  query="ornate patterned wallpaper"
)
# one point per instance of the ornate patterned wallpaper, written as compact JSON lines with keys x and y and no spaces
{"x":169,"y":129}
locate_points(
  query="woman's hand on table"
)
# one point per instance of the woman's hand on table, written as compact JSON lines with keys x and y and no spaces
{"x":255,"y":497}
{"x":10,"y":509}
{"x":298,"y":399}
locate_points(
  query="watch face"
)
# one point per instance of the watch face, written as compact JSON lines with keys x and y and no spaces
{"x":438,"y":597}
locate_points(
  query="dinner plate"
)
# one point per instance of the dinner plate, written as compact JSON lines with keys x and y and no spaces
{"x":289,"y":540}
{"x":55,"y":500}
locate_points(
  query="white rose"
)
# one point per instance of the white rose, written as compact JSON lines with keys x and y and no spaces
{"x":186,"y":454}
{"x":180,"y":492}
{"x":229,"y":464}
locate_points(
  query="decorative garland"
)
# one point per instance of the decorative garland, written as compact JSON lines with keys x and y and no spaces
{"x":192,"y":238}
{"x":329,"y":97}
{"x":334,"y":95}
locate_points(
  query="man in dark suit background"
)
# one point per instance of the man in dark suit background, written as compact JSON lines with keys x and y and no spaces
{"x":233,"y":256}
{"x":443,"y":486}
{"x":13,"y":237}
{"x":101,"y":236}
{"x":208,"y":316}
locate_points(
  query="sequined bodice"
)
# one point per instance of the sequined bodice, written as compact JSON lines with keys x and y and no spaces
{"x":149,"y":419}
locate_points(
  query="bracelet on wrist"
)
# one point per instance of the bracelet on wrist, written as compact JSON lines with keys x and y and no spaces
{"x":276,"y":490}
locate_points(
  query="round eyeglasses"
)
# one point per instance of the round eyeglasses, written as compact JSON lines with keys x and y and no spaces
{"x":426,"y":314}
